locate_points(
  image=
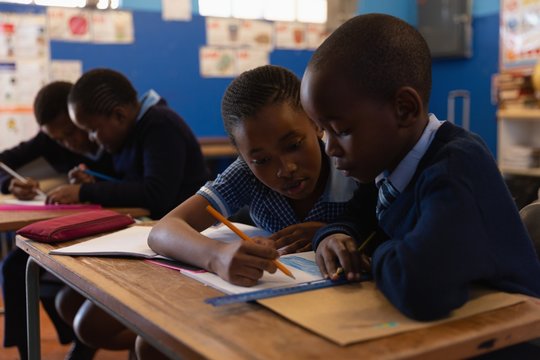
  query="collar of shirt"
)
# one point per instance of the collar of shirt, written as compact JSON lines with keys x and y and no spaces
{"x":148,"y":100}
{"x":403,"y":173}
{"x":95,"y":156}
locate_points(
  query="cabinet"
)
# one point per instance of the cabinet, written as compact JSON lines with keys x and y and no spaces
{"x":518,"y":138}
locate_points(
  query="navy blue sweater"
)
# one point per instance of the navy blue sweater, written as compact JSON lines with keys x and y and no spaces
{"x":454,"y":225}
{"x":61,"y":159}
{"x":160,"y":165}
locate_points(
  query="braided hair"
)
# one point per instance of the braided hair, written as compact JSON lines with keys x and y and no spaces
{"x":51,"y":101}
{"x":254,"y":89}
{"x":100,"y":91}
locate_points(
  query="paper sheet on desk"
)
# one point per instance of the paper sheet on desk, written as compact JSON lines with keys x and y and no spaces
{"x":358,"y":312}
{"x":302,"y":265}
{"x":38,"y":203}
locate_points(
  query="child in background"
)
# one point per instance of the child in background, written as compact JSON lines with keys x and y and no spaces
{"x":59,"y":142}
{"x":158,"y":162}
{"x":156,"y":156}
{"x":441,"y":206}
{"x":63,"y":145}
{"x":282,"y":174}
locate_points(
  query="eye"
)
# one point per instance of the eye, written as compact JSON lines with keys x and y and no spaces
{"x":295,"y":145}
{"x":260,"y":162}
{"x":343,"y":133}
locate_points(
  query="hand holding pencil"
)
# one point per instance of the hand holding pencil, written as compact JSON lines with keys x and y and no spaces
{"x":244,"y":237}
{"x":22,"y":188}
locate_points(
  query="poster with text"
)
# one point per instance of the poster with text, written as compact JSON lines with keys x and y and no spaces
{"x":256,"y":33}
{"x":112,"y":27}
{"x":520,"y":33}
{"x":247,"y":59}
{"x":217,"y":62}
{"x":16,"y":127}
{"x":290,"y":35}
{"x":23,"y":35}
{"x":69,"y":24}
{"x":65,"y":70}
{"x":222,"y":31}
{"x":315,"y":35}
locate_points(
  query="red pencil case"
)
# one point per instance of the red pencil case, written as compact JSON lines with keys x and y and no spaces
{"x":75,"y":226}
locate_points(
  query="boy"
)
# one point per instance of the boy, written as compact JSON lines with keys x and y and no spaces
{"x":443,"y":216}
{"x":63,"y":146}
{"x":59,"y":141}
{"x":156,"y":156}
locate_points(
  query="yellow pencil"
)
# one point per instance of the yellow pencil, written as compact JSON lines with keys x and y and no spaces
{"x":238,"y":232}
{"x":339,"y":270}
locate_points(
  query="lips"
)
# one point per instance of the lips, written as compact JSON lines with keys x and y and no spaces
{"x":295,"y":186}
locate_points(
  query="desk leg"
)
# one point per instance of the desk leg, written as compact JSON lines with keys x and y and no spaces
{"x":32,"y":309}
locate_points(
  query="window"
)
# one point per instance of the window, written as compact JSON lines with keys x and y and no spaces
{"x":312,"y":11}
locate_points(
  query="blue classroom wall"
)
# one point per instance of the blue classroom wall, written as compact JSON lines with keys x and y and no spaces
{"x":165,"y":57}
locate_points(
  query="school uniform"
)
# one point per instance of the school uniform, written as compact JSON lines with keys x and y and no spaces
{"x":159,"y":166}
{"x":237,"y":187}
{"x":14,"y":264}
{"x":453,"y":224}
{"x":61,"y":159}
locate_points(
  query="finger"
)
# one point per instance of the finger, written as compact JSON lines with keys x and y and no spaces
{"x":306,"y":247}
{"x":264,"y":242}
{"x":320,"y":262}
{"x":292,"y":248}
{"x":242,"y":281}
{"x":330,"y":261}
{"x":260,"y":251}
{"x":355,"y":257}
{"x":344,"y":257}
{"x":283,"y":232}
{"x":365,"y":263}
{"x":249,"y":272}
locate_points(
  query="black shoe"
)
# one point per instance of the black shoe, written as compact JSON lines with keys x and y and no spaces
{"x":80,"y":351}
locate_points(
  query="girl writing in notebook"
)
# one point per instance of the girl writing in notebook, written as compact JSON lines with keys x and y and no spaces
{"x":282,"y":175}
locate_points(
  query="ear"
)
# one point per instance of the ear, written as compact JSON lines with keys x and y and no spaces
{"x":121,"y":115}
{"x":408,"y":105}
{"x":318,"y":130}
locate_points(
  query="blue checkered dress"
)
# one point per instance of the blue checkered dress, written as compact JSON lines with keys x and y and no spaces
{"x":237,"y":187}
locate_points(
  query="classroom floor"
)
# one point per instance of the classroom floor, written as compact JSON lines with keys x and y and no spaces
{"x":50,"y":347}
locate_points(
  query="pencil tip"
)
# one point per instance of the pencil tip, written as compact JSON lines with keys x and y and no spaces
{"x":291,"y":275}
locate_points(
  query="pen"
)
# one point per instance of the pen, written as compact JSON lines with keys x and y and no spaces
{"x":339,"y":270}
{"x":100,"y":175}
{"x":12,"y":172}
{"x":238,"y":232}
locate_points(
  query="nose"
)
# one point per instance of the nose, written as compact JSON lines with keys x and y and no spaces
{"x":286,"y":168}
{"x":332,"y":147}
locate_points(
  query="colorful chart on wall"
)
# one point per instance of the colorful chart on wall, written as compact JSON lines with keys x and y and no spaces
{"x":519,"y":33}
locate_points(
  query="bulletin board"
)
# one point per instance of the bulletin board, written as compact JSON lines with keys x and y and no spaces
{"x":519,"y":33}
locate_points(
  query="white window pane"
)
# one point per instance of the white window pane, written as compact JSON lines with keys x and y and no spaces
{"x":115,"y":4}
{"x":102,"y":4}
{"x":247,"y":9}
{"x":312,"y":11}
{"x":220,"y":8}
{"x":16,"y":1}
{"x":64,"y":3}
{"x":280,"y":10}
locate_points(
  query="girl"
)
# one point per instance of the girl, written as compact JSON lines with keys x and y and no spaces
{"x":282,"y":174}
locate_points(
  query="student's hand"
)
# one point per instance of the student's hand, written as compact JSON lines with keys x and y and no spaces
{"x":340,"y":250}
{"x":78,"y":176}
{"x":243,"y":263}
{"x":64,"y":194}
{"x":23,"y":191}
{"x":296,"y":238}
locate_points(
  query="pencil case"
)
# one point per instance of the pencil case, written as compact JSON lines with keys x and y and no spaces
{"x":75,"y":226}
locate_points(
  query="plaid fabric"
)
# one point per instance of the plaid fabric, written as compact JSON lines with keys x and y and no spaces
{"x":237,"y":187}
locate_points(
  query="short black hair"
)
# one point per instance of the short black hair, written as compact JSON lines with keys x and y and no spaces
{"x":99,"y":91}
{"x":247,"y":94}
{"x":51,"y":101}
{"x":379,"y":53}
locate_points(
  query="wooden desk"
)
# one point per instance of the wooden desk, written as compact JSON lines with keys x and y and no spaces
{"x":14,"y":220}
{"x":216,"y":147}
{"x":167,"y":309}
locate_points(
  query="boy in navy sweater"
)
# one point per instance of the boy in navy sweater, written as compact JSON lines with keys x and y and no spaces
{"x":443,"y":217}
{"x":156,"y":156}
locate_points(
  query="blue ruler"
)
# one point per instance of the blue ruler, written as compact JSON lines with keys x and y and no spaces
{"x":279,"y":291}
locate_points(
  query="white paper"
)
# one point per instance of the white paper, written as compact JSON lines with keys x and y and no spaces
{"x":290,"y":35}
{"x":176,"y":10}
{"x":302,"y":265}
{"x":66,"y":70}
{"x":223,"y":31}
{"x":247,"y":59}
{"x":257,"y":34}
{"x":217,"y":62}
{"x":112,"y":27}
{"x":69,"y":24}
{"x":315,"y":35}
{"x":37,"y":201}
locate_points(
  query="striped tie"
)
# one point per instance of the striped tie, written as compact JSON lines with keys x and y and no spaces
{"x":387,"y":194}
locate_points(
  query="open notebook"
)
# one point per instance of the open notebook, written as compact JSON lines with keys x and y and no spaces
{"x":133,"y":242}
{"x":38,"y":203}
